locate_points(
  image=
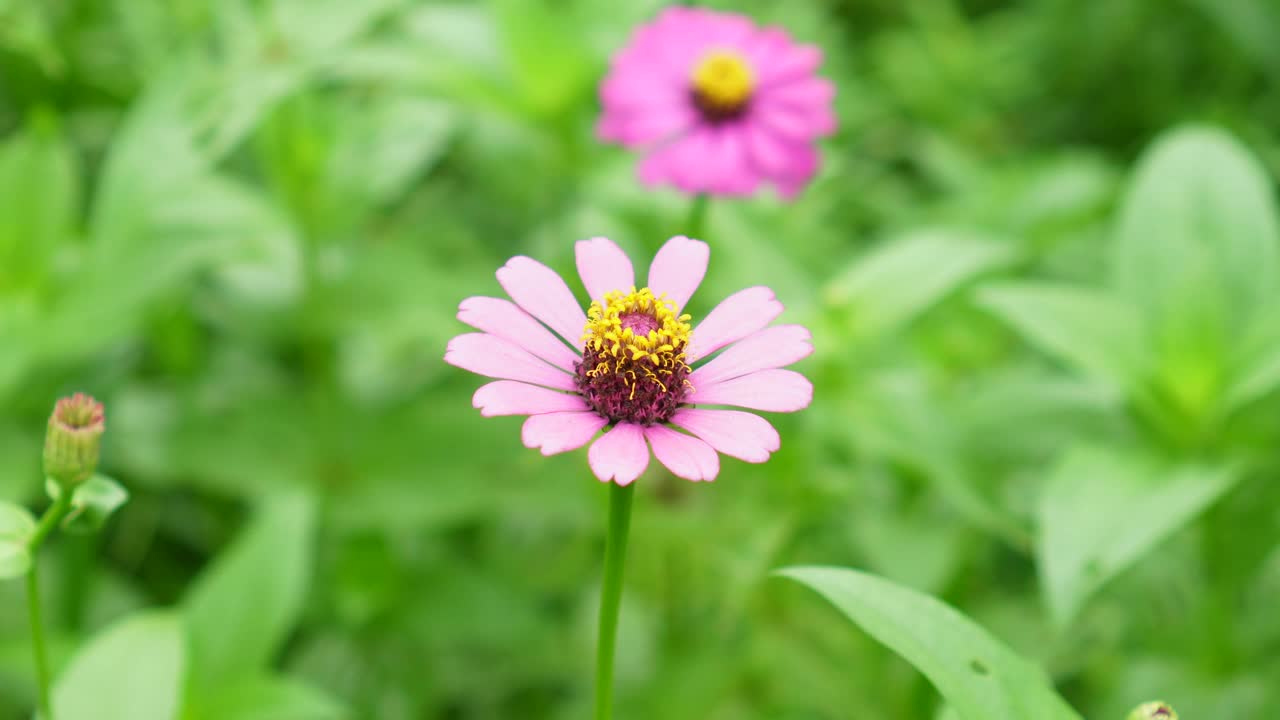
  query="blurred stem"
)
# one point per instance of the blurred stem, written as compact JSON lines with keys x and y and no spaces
{"x":697,"y":220}
{"x":48,"y":522}
{"x":77,"y":553}
{"x":615,"y":556}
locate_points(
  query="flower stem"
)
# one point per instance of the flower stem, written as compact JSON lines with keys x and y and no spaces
{"x":48,"y":522}
{"x":697,"y":219}
{"x":615,"y":556}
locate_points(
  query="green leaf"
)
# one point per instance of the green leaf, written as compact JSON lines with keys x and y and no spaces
{"x":1251,"y":25}
{"x":271,"y":698}
{"x":898,"y":417}
{"x":16,"y":526}
{"x":38,"y":197}
{"x":92,"y":503}
{"x":1198,"y":251}
{"x":976,"y":674}
{"x":1097,"y":334}
{"x":1101,"y":512}
{"x":904,"y":277}
{"x":240,"y":611}
{"x":552,"y":69}
{"x":133,"y":670}
{"x":1256,"y":370}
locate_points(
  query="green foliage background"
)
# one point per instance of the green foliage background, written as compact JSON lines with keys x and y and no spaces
{"x":1047,"y":331}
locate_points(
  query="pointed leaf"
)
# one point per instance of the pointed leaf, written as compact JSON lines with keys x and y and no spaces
{"x":16,"y":526}
{"x":1101,"y":512}
{"x":92,"y":503}
{"x":271,"y":698}
{"x":896,"y":282}
{"x":976,"y":674}
{"x":240,"y":611}
{"x":1198,"y":251}
{"x":133,"y":670}
{"x":1092,"y":331}
{"x":38,"y":200}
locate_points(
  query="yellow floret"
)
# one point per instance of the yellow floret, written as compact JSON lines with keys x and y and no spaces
{"x":620,"y":348}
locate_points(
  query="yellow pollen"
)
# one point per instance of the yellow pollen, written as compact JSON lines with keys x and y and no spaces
{"x":723,"y":80}
{"x":610,"y":332}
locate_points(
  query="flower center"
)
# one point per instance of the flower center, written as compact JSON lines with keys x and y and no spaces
{"x":722,"y":85}
{"x":78,"y":412}
{"x":632,"y":367}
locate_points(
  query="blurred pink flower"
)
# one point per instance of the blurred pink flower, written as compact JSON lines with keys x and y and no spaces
{"x":717,"y":104}
{"x":632,"y":364}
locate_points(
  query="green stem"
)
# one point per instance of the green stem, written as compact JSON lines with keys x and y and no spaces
{"x":697,"y":219}
{"x":48,"y":522}
{"x":615,"y":556}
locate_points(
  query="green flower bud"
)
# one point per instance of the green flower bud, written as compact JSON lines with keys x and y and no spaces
{"x":72,"y":442}
{"x":1153,"y":711}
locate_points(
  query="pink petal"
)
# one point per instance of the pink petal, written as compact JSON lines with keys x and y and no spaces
{"x":765,"y":47}
{"x":796,"y":61}
{"x":659,"y":166}
{"x":691,"y":161}
{"x":507,"y":397}
{"x":669,"y":45}
{"x":733,"y":432}
{"x":796,"y":126}
{"x":729,"y":30}
{"x":767,"y":153}
{"x":772,"y":347}
{"x":706,"y":159}
{"x":678,"y":269}
{"x":684,"y":455}
{"x":770,"y":390}
{"x":640,"y":87}
{"x":559,"y":432}
{"x":804,"y":94}
{"x":497,"y":358}
{"x":542,"y":293}
{"x":621,"y":455}
{"x":603,"y":267}
{"x":728,"y":170}
{"x":503,"y":319}
{"x":736,"y":317}
{"x":647,"y":127}
{"x":803,"y":166}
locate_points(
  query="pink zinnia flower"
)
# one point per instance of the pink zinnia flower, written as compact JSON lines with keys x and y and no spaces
{"x":717,"y":104}
{"x":632,"y":365}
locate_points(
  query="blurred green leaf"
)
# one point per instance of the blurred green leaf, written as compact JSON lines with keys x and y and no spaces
{"x":1256,"y":367}
{"x":135,"y":191}
{"x":1098,"y":334}
{"x":38,"y":202}
{"x":16,"y":526}
{"x":1197,"y":249}
{"x":132,"y":670}
{"x":549,"y":60}
{"x":1251,"y":24}
{"x":905,"y":276}
{"x":1101,"y":512}
{"x":976,"y":674}
{"x":92,"y":503}
{"x":897,"y":416}
{"x":240,"y":610}
{"x":271,"y":698}
{"x":916,"y":549}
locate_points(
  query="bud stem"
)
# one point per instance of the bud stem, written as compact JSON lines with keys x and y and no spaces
{"x":48,"y":522}
{"x":615,"y":556}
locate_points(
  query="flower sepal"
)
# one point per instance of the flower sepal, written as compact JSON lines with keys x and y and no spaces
{"x":92,"y":503}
